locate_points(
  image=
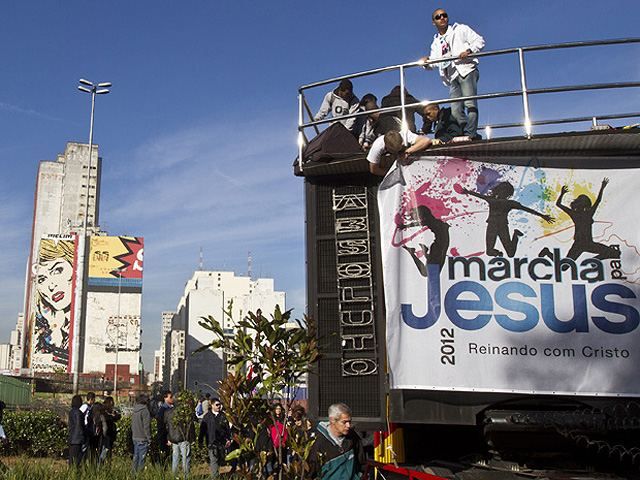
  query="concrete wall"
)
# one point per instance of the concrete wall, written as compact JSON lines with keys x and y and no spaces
{"x":75,"y":160}
{"x":209,"y":293}
{"x":206,"y":366}
{"x":102,"y":329}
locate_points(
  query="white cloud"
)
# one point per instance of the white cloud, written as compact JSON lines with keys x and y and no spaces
{"x":214,"y":186}
{"x":7,"y":107}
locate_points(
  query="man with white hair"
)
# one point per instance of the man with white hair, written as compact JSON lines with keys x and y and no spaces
{"x":337,"y":452}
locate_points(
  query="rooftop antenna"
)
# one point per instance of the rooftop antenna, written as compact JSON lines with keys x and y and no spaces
{"x":201,"y":263}
{"x":249,"y":265}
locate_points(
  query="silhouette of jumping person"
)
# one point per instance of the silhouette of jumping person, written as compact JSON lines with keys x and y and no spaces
{"x":581,"y":213}
{"x":500,"y":205}
{"x":437,"y":254}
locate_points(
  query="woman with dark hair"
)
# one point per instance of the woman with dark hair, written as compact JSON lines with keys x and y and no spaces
{"x":99,"y":428}
{"x":300,"y":428}
{"x":110,"y":417}
{"x":278,"y":434}
{"x":76,"y":431}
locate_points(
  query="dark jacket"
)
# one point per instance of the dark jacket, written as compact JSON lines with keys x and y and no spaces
{"x":215,"y":429}
{"x":331,"y":461}
{"x":162,"y":429}
{"x":111,"y":418}
{"x":176,"y":432}
{"x":141,"y":423}
{"x":446,"y":127}
{"x":76,"y":427}
{"x":392,"y":121}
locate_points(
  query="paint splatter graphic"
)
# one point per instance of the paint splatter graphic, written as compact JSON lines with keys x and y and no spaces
{"x":459,"y":193}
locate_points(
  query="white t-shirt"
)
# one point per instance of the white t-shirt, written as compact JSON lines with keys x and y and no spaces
{"x":378,"y":151}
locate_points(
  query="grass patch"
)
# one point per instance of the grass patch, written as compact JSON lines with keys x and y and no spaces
{"x":25,"y":468}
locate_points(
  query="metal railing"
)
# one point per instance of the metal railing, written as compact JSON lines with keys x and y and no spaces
{"x":524,"y":92}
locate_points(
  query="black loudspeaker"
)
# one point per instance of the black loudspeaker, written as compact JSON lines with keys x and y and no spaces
{"x":345,"y":296}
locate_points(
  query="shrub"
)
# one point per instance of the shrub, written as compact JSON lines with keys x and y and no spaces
{"x":34,"y":433}
{"x":44,"y":434}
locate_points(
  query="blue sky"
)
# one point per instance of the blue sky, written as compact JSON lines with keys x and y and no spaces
{"x":198,"y":134}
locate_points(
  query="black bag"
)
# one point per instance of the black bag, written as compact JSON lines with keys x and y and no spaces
{"x":334,"y":143}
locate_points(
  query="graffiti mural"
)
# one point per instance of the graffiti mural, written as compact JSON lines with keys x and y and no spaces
{"x":52,"y":303}
{"x":116,"y":263}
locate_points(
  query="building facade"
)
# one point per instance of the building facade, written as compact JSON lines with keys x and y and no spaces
{"x":66,"y":190}
{"x":80,"y":309}
{"x":209,"y":293}
{"x":167,"y":318}
{"x":5,"y":357}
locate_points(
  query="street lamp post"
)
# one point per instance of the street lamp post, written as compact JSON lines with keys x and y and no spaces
{"x":115,"y":370}
{"x":93,"y":89}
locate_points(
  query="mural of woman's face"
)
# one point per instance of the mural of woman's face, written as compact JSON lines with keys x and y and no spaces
{"x":54,"y":282}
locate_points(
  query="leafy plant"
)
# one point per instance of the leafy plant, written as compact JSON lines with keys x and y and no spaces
{"x":266,"y":359}
{"x":35,"y":433}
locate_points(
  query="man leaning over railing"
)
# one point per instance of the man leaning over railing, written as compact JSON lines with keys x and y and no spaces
{"x":392,"y":147}
{"x":441,"y":123}
{"x":461,"y":75}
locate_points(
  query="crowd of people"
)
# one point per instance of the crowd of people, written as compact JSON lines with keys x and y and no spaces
{"x":383,"y":135}
{"x":92,"y":429}
{"x":336,"y":453}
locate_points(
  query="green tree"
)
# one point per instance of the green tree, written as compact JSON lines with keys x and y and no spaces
{"x":266,"y":360}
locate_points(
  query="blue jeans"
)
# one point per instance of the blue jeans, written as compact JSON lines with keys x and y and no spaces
{"x":465,"y":87}
{"x":139,"y":454}
{"x":177,"y":450}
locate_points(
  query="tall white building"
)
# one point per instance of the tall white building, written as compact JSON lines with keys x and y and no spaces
{"x":157,"y":367}
{"x":60,"y":203}
{"x":167,"y":317}
{"x":5,"y":357}
{"x":209,"y":293}
{"x":107,"y":301}
{"x":16,"y":341}
{"x":61,"y":191}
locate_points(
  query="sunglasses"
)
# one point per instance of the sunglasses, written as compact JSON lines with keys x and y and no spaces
{"x":440,"y":15}
{"x":217,"y":404}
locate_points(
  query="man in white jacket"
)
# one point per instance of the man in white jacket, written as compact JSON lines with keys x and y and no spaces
{"x":460,"y":75}
{"x":342,"y":101}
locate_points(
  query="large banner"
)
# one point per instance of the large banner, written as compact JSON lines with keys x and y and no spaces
{"x":51,"y":310}
{"x":116,"y":263}
{"x":502,"y":278}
